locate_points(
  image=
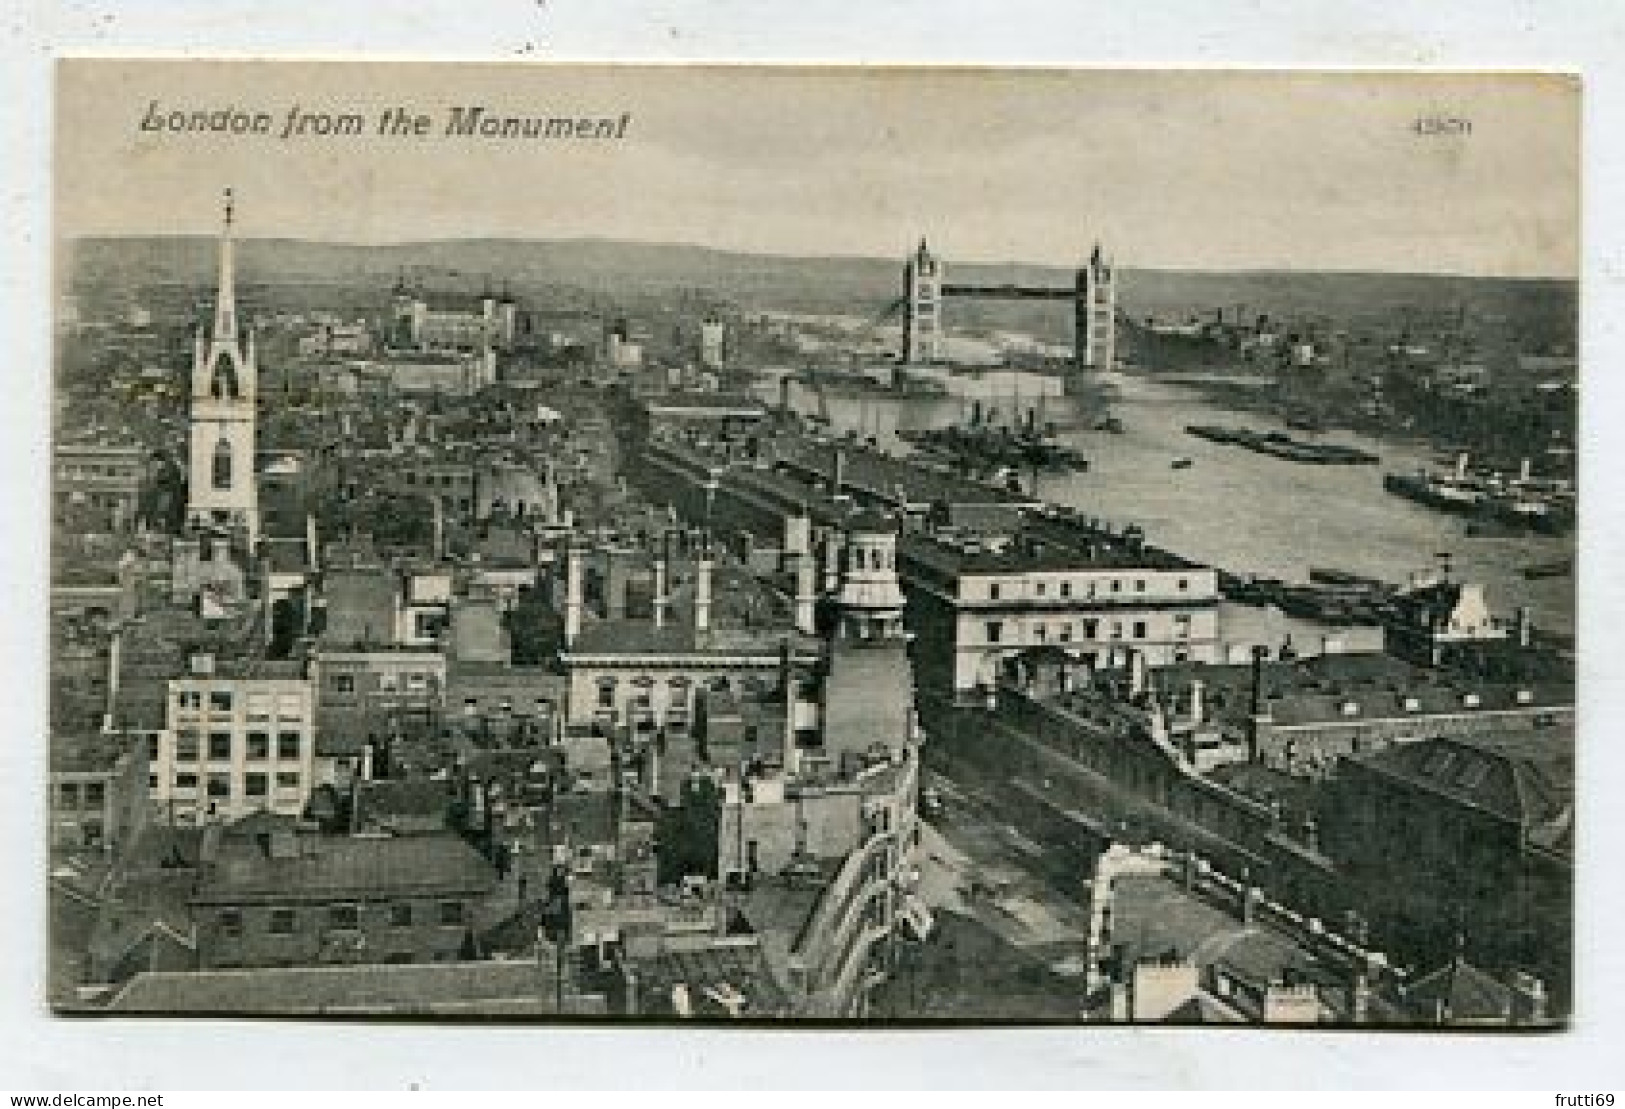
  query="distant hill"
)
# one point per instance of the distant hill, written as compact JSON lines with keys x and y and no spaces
{"x":1543,"y":311}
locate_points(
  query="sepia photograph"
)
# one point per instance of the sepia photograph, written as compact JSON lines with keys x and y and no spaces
{"x":842,"y":545}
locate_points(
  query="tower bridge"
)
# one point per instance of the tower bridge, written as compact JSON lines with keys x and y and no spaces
{"x":1093,"y":295}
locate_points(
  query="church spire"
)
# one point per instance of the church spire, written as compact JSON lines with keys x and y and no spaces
{"x":225,"y":301}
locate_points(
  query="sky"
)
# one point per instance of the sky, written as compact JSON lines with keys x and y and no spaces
{"x":1223,"y":170}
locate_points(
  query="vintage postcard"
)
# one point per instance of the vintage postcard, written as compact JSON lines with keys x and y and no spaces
{"x":747,"y":543}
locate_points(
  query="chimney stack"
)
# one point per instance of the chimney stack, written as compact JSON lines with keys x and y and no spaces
{"x":832,"y":561}
{"x":1360,"y":995}
{"x":312,"y":548}
{"x":1196,"y":700}
{"x":702,"y":589}
{"x":1461,"y":465}
{"x":806,"y":622}
{"x":660,"y":590}
{"x":797,"y":534}
{"x":1136,"y":672}
{"x":572,"y":595}
{"x":115,"y":650}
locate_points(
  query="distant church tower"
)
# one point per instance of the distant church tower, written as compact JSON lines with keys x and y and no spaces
{"x":922,"y":307}
{"x":220,"y":491}
{"x":1095,"y":328}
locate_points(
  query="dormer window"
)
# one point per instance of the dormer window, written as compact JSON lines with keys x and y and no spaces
{"x":1350,"y":708}
{"x":1525,"y":697}
{"x":1470,"y":700}
{"x":1412,"y":704}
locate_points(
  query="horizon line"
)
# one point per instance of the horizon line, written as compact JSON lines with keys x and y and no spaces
{"x":1252,"y":269}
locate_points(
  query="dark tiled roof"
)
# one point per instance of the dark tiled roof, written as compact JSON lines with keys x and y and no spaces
{"x":383,"y":801}
{"x":349,"y":867}
{"x":1526,"y":777}
{"x":509,"y":986}
{"x":360,"y":607}
{"x":1463,"y":991}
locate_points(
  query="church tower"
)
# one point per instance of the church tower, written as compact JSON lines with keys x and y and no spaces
{"x":220,"y":491}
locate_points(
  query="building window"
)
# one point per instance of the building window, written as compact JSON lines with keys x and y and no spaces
{"x":219,"y":746}
{"x":287,"y":745}
{"x":256,"y":784}
{"x":186,"y":745}
{"x":1139,"y":585}
{"x":1040,"y":587}
{"x":1066,"y":589}
{"x":219,"y":785}
{"x":1091,"y":629}
{"x":451,"y":913}
{"x":95,"y":794}
{"x":153,"y":748}
{"x":993,"y":591}
{"x":1065,"y":632}
{"x":995,"y":631}
{"x":1117,"y":586}
{"x":1184,"y":584}
{"x":186,"y":780}
{"x":1117,"y":629}
{"x":189,"y":700}
{"x":287,"y":779}
{"x":220,"y":700}
{"x":67,"y":795}
{"x":281,"y":923}
{"x":343,"y":683}
{"x":1040,"y":633}
{"x":606,"y":695}
{"x":1139,"y":629}
{"x":1182,"y":626}
{"x":344,"y":917}
{"x":220,"y":472}
{"x":231,"y":922}
{"x":259,"y":746}
{"x":400,"y":915}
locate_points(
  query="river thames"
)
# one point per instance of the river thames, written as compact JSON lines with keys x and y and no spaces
{"x":1232,"y":508}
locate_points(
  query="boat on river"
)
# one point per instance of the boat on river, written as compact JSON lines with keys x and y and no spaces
{"x":1278,"y":444}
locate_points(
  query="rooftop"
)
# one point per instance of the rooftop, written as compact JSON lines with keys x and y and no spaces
{"x":325,"y":868}
{"x":1154,"y":916}
{"x":1522,"y":776}
{"x":720,"y":981}
{"x":518,"y":987}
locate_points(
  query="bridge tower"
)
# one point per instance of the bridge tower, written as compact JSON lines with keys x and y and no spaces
{"x":922,"y":307}
{"x":1095,"y":314}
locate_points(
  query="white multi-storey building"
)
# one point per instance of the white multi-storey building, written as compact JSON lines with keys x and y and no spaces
{"x":981,"y":603}
{"x":239,"y":737}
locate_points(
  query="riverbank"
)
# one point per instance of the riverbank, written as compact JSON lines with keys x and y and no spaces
{"x":1245,"y":512}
